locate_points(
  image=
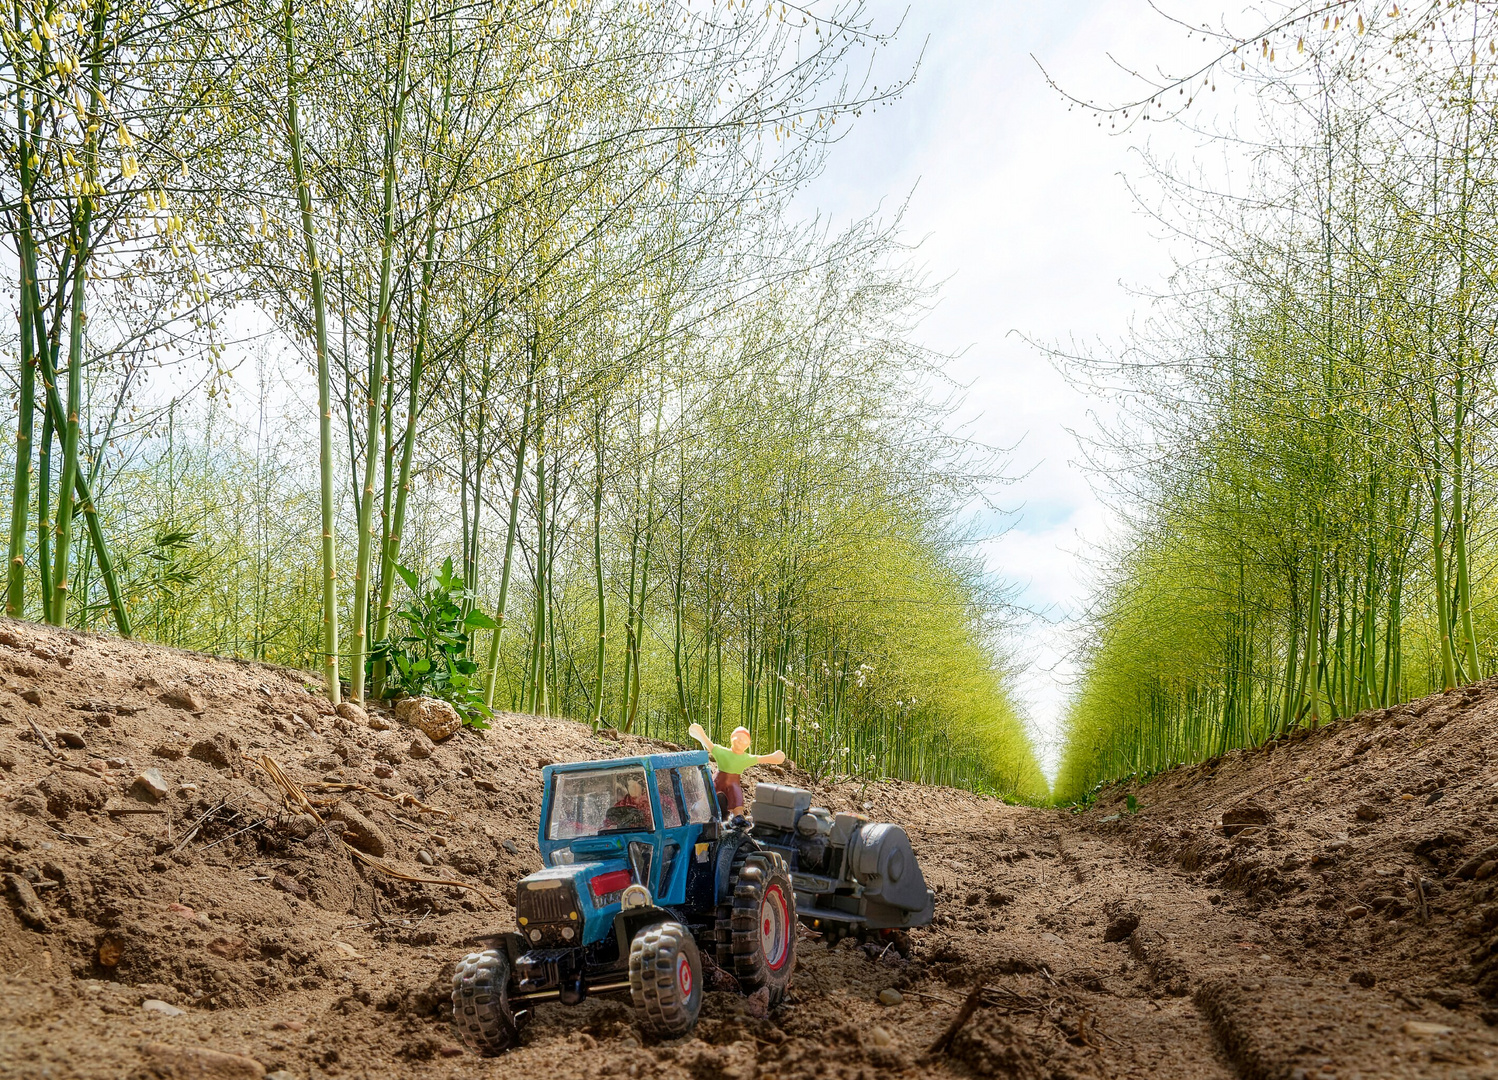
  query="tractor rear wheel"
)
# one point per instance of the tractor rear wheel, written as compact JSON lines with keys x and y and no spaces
{"x":665,"y":978}
{"x":481,"y":1006}
{"x":763,"y":926}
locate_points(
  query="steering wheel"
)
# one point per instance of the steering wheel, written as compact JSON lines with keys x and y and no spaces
{"x":624,"y":817}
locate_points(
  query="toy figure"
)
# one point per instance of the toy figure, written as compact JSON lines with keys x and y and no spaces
{"x":633,"y":795}
{"x":732,"y":760}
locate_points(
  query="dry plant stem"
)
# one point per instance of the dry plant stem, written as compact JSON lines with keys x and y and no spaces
{"x":192,"y":830}
{"x":294,"y":793}
{"x":964,"y":1014}
{"x":404,"y":798}
{"x":40,"y":734}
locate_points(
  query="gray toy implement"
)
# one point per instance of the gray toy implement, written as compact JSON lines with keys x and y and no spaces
{"x":852,"y":876}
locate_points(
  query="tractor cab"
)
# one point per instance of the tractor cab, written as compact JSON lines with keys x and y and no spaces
{"x":607,"y":825}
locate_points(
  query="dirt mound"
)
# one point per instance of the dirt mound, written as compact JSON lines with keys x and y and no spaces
{"x":168,"y":912}
{"x":1367,"y":854}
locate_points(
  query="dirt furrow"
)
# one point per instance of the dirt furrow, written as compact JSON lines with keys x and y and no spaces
{"x":1334,"y":925}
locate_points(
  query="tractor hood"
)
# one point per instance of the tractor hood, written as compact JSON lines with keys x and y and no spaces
{"x":573,"y":904}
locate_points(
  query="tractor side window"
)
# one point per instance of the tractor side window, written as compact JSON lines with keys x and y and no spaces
{"x":670,"y":808}
{"x":694,"y":789}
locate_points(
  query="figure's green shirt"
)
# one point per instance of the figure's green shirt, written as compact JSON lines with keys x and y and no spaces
{"x":731,"y":763}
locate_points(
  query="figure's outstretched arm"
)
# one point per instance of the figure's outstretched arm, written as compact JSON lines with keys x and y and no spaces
{"x":696,"y":732}
{"x":775,"y":757}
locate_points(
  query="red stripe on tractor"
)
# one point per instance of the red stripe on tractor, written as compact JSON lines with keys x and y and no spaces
{"x":612,"y":882}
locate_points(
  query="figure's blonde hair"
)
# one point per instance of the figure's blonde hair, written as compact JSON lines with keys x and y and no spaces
{"x":736,"y":730}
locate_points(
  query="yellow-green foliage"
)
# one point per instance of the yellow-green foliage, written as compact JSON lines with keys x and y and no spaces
{"x":1303,"y":461}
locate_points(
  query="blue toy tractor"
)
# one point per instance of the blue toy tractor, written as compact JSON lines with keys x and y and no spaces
{"x":641,"y":873}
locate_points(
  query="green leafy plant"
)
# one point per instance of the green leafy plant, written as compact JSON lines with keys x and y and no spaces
{"x":1131,"y":804}
{"x":431,"y":656}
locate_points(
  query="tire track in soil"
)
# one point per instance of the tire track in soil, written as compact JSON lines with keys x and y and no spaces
{"x":267,"y":946}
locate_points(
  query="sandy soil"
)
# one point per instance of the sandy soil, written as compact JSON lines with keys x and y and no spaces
{"x":1348,"y":926}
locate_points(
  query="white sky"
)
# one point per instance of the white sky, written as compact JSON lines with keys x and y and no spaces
{"x":1025,"y":213}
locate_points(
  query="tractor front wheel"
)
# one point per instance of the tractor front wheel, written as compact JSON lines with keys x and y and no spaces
{"x":763,"y":926}
{"x":481,"y":1006}
{"x":665,"y":978}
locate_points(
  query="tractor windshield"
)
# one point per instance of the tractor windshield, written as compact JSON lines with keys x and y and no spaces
{"x":599,"y":801}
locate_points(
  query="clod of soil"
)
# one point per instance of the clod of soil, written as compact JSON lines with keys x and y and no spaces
{"x":436,"y":719}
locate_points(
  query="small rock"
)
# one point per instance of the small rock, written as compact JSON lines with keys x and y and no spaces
{"x":1435,"y":796}
{"x":71,"y":739}
{"x":420,"y":748}
{"x":111,"y":948}
{"x":1362,"y":977}
{"x":890,"y":996}
{"x":484,"y":784}
{"x":378,"y":722}
{"x":880,"y":1037}
{"x":289,"y":885}
{"x":1120,"y":928}
{"x":230,"y":948}
{"x":32,"y":694}
{"x":1109,"y":820}
{"x":172,"y":751}
{"x":1424,"y":1028}
{"x":1470,"y":867}
{"x":1366,"y":812}
{"x":1355,"y":911}
{"x":383,"y":771}
{"x":185,"y":698}
{"x":28,"y":907}
{"x":288,"y":1025}
{"x":434,"y":717}
{"x":150,"y":785}
{"x":352,"y":712}
{"x":424,"y":857}
{"x":450,"y":1050}
{"x":281,"y":1074}
{"x":1486,"y":870}
{"x":359,"y":831}
{"x":510,"y":846}
{"x":7,"y":758}
{"x":156,"y":1005}
{"x":200,"y":1063}
{"x":102,"y":719}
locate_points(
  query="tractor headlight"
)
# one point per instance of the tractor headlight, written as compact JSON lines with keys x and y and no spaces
{"x":635,"y":896}
{"x":535,"y":935}
{"x":567,"y":933}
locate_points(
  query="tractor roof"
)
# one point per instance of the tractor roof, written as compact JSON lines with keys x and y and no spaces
{"x":654,"y":761}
